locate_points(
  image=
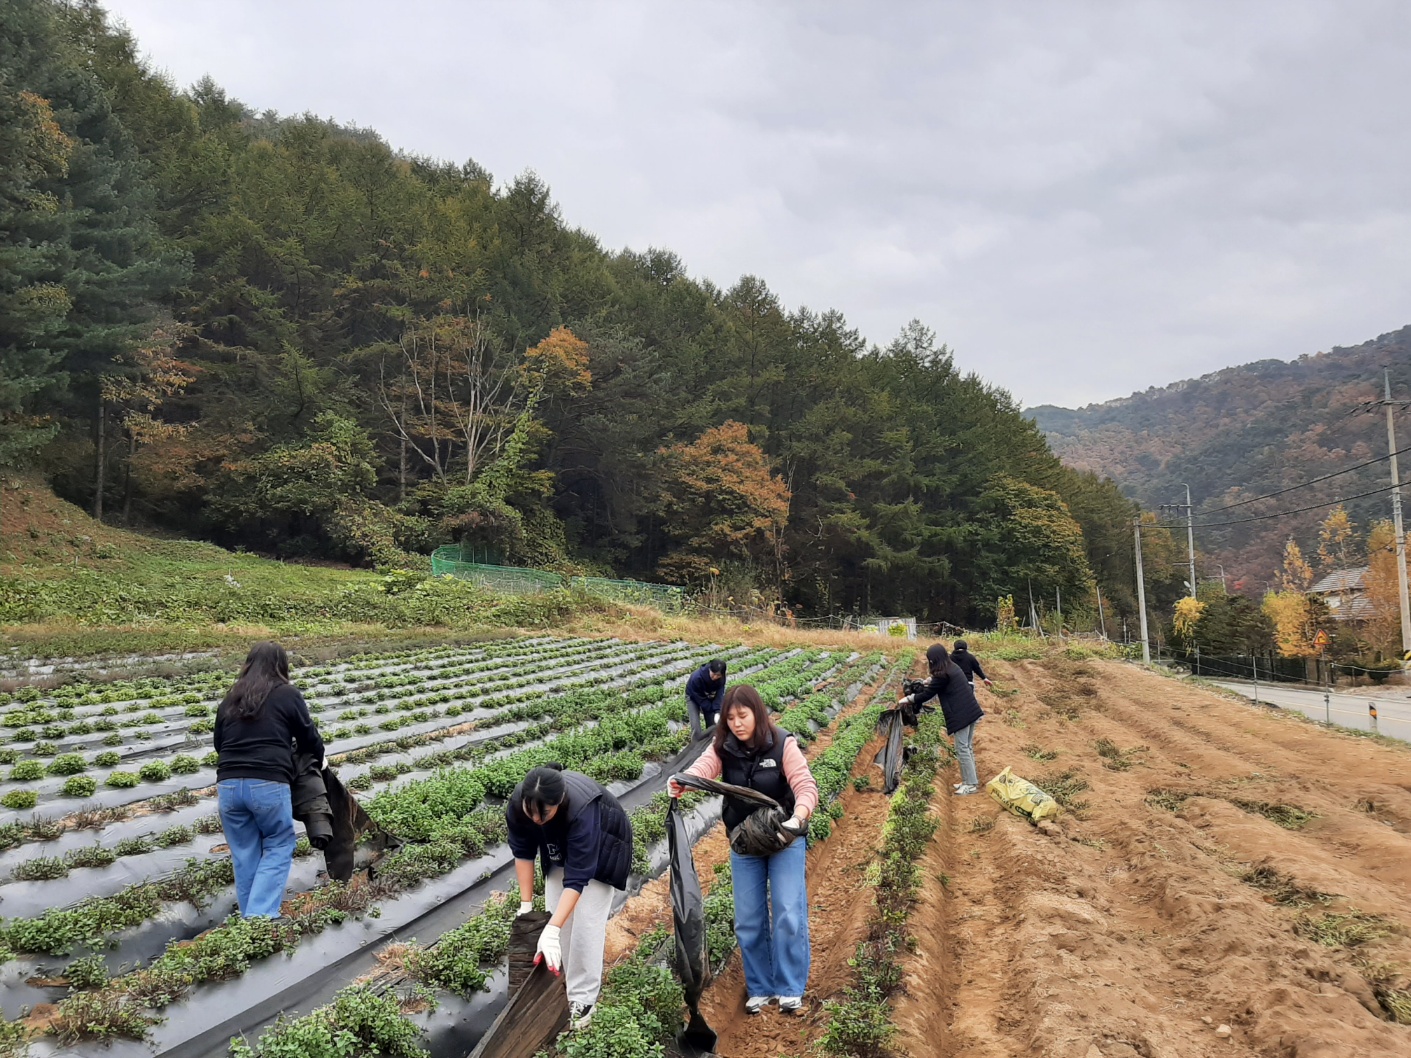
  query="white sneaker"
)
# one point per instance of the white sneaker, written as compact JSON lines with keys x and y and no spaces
{"x":579,"y":1015}
{"x":755,"y":1004}
{"x":966,"y":791}
{"x":957,"y":786}
{"x":791,"y":1004}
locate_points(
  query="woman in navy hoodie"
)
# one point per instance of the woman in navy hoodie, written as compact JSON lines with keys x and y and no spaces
{"x":583,"y":839}
{"x":961,"y":710}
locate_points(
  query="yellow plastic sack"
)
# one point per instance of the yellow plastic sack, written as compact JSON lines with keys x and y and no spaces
{"x":1021,"y":796}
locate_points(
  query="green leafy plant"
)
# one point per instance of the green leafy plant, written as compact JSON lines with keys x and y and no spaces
{"x":20,"y":799}
{"x":80,"y":786}
{"x":122,"y":780}
{"x":27,"y":771}
{"x":108,"y":759}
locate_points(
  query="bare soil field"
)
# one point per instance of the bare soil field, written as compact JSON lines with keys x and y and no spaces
{"x":1230,"y":866}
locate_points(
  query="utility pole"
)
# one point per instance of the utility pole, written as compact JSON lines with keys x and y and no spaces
{"x":1101,"y":620}
{"x":1190,"y":532}
{"x":1396,"y":524}
{"x":1141,"y":596}
{"x":1190,"y":536}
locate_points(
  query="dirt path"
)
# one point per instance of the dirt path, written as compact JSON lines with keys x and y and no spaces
{"x":1118,"y":932}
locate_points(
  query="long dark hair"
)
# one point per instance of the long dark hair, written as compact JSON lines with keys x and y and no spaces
{"x":266,"y":667}
{"x":938,"y":659}
{"x":543,"y":789}
{"x":743,"y":696}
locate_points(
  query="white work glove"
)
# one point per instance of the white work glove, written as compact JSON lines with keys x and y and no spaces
{"x":793,"y":823}
{"x":525,"y":906}
{"x":323,"y":765}
{"x":674,"y":788}
{"x":550,"y":952}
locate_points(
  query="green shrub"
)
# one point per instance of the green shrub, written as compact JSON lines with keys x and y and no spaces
{"x":122,"y":780}
{"x":359,"y":1021}
{"x":185,"y":765}
{"x":113,"y":740}
{"x":210,"y":760}
{"x":80,"y":786}
{"x":67,"y":764}
{"x":155,"y":771}
{"x":108,"y":759}
{"x":133,"y":846}
{"x":20,"y":799}
{"x":177,"y":835}
{"x":27,"y":771}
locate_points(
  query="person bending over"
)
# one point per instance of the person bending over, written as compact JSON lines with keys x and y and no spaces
{"x":962,"y":712}
{"x":705,"y":690}
{"x":583,"y":839}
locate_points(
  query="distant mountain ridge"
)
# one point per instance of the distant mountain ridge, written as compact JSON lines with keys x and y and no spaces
{"x":1245,"y":431}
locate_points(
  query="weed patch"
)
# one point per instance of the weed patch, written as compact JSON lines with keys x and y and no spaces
{"x":1064,"y":787}
{"x":1346,"y":929}
{"x":1290,"y":817}
{"x":1392,"y":987}
{"x":1282,"y":890}
{"x":1115,"y":759}
{"x":1170,"y":800}
{"x":1034,"y":751}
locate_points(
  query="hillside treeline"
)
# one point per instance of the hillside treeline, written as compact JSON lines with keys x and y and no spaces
{"x":284,"y":335}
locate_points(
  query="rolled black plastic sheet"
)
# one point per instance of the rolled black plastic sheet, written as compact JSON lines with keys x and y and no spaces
{"x":762,"y":833}
{"x":891,"y":725}
{"x":688,"y":922}
{"x":537,"y":1010}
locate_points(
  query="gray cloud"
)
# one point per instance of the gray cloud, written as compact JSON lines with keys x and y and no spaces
{"x":1082,"y":199}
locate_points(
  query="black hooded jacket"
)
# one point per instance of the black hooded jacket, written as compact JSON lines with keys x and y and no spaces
{"x":957,"y":697}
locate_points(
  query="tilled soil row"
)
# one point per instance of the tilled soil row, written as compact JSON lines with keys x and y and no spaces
{"x":1161,"y":920}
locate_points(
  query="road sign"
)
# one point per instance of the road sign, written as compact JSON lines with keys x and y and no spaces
{"x":1371,"y":710}
{"x":1321,"y":640}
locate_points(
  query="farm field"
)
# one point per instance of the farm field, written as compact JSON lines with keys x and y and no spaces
{"x":1215,"y":861}
{"x":116,"y":889}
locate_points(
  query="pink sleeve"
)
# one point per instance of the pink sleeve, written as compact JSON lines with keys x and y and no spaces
{"x":801,"y":780}
{"x":707,"y":765}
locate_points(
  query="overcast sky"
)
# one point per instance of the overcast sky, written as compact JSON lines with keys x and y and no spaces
{"x":1082,"y":199}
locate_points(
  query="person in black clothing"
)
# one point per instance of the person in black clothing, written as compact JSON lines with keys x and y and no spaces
{"x":705,"y":690}
{"x":968,"y":663}
{"x":583,"y":839}
{"x":962,"y":712}
{"x":258,"y":724}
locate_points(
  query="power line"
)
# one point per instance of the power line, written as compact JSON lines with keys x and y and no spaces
{"x":1286,"y":514}
{"x":1304,"y":485}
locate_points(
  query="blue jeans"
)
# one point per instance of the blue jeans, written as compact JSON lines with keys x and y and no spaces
{"x":965,"y":754}
{"x":258,"y":820}
{"x":774,"y":948}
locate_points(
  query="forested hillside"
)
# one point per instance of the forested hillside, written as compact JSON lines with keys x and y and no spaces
{"x":285,"y":335}
{"x":1246,"y":432}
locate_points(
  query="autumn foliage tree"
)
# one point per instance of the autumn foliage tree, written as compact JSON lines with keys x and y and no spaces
{"x":722,"y":504}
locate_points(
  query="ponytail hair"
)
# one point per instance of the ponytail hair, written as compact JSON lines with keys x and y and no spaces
{"x":543,"y":788}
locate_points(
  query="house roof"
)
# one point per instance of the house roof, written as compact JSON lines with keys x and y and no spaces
{"x":1351,"y":579}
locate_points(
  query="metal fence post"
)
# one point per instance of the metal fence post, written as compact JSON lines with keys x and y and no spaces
{"x":1372,"y":712}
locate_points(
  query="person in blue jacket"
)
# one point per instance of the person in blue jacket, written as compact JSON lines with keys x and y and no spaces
{"x":583,"y":840}
{"x":962,"y":712}
{"x":705,"y":690}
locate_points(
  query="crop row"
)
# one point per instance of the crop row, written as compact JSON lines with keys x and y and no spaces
{"x":430,"y":810}
{"x":526,"y":688}
{"x":40,"y":829}
{"x":459,"y":825}
{"x":640,"y":1004}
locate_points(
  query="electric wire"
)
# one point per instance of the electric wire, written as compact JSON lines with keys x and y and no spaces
{"x":1280,"y":514}
{"x":1305,"y":484}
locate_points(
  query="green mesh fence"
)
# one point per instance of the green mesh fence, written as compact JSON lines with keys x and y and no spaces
{"x":504,"y":580}
{"x":512,"y":580}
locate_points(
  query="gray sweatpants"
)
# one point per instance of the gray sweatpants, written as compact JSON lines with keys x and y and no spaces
{"x":965,"y":753}
{"x":582,"y":936}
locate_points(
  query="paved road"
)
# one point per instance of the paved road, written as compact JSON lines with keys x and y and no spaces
{"x":1344,"y":708}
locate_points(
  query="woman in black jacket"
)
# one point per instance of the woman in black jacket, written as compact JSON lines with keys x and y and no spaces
{"x":583,"y":839}
{"x":258,"y":724}
{"x":961,"y":710}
